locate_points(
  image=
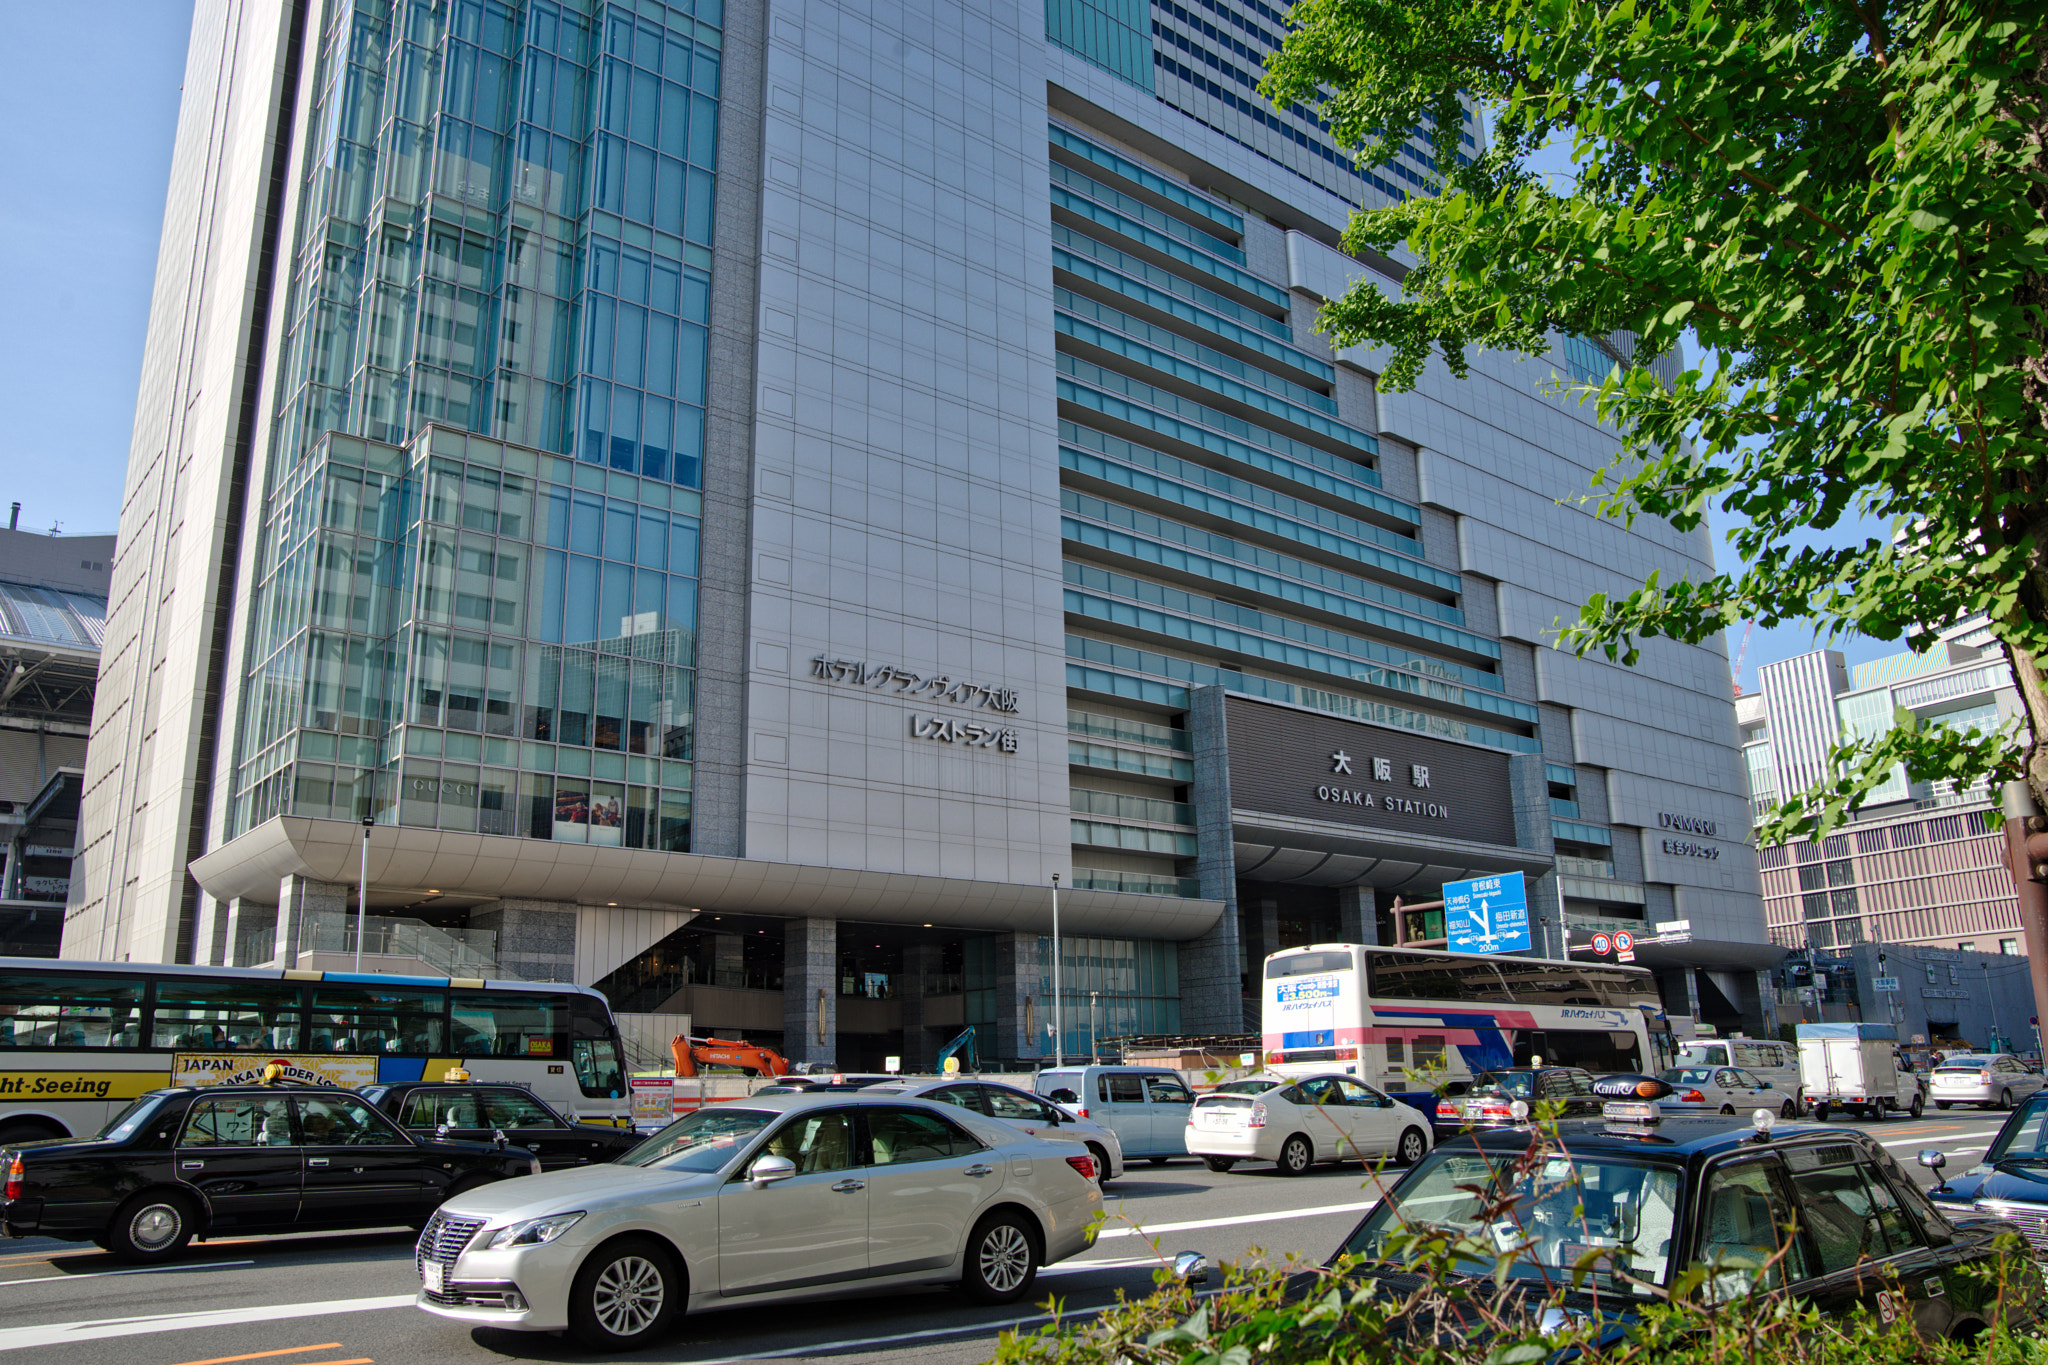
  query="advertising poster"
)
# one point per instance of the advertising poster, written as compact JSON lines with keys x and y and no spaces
{"x":246,"y":1068}
{"x":652,"y":1097}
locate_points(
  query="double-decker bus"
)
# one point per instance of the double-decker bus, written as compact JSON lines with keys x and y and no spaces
{"x":78,"y":1040}
{"x":1410,"y":1018}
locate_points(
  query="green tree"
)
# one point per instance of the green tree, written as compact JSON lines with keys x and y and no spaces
{"x":1841,"y":202}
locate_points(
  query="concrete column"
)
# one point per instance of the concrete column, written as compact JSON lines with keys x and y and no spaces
{"x":1529,"y":790}
{"x":728,"y":959}
{"x":920,"y":1048}
{"x":210,"y":946}
{"x":810,"y":990}
{"x":242,"y":918}
{"x":1212,"y":966}
{"x":298,"y":901}
{"x":1358,"y":917}
{"x":536,"y":939}
{"x":1261,"y":933}
{"x":1023,"y":998}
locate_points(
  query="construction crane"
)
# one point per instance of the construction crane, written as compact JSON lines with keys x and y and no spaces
{"x":962,"y":1046}
{"x":1740,"y":654}
{"x":755,"y":1060}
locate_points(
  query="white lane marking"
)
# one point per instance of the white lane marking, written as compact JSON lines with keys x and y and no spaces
{"x":60,"y":1333}
{"x":103,"y":1274}
{"x":1146,"y":1230}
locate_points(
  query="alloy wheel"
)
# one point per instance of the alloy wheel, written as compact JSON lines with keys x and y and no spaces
{"x":628,"y":1295}
{"x":1005,"y":1257}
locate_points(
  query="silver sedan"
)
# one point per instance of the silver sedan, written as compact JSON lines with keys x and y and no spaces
{"x":756,"y":1201}
{"x":1023,"y":1111}
{"x":1996,"y":1080}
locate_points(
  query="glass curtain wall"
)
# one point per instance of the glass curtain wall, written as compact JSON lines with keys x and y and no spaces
{"x":503,"y":229}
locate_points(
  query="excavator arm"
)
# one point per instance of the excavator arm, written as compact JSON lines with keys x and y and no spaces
{"x":693,"y":1054}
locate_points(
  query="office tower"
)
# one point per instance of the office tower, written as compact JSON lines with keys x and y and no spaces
{"x":743,"y":496}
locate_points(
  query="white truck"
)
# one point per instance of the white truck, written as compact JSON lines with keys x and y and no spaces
{"x":1857,"y":1067}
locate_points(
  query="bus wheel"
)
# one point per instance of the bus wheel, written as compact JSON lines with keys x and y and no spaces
{"x":29,"y":1130}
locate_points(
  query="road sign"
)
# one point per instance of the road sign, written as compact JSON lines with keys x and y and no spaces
{"x":1885,"y":983}
{"x":1487,"y":915}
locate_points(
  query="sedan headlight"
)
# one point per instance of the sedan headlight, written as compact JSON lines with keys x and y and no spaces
{"x":533,"y":1232}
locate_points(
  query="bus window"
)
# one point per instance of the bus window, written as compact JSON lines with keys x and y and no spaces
{"x":226,"y":1016}
{"x":593,"y":1050}
{"x":69,"y":1011}
{"x":509,"y":1024}
{"x":1305,"y":964}
{"x":352,"y":1018}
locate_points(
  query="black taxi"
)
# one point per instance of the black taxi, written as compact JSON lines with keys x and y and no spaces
{"x":1644,"y":1199}
{"x":192,"y":1161}
{"x":483,"y":1111}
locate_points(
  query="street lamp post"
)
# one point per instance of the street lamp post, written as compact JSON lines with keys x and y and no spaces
{"x":1059,"y":1052}
{"x":1094,"y":1049}
{"x":363,"y":889}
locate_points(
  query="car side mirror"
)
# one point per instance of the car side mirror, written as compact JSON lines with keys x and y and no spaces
{"x":767,"y":1170}
{"x":498,"y":1138}
{"x":1769,"y":1086}
{"x":1191,"y":1267}
{"x":440,"y":1130}
{"x":1933,"y":1160}
{"x":1053,"y":1117}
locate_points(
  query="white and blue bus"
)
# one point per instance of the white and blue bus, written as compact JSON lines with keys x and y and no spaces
{"x":78,"y":1040}
{"x":1391,"y":1015}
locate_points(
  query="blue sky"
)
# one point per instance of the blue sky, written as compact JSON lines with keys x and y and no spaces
{"x":87,"y":112}
{"x":86,"y":129}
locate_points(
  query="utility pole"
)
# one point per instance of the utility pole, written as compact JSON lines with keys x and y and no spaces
{"x":362,"y":890}
{"x":1059,"y":1052}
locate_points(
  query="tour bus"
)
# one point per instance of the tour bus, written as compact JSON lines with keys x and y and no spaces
{"x":1411,"y":1019}
{"x":78,"y":1040}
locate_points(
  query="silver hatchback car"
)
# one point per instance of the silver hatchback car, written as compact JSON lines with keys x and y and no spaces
{"x":1996,"y":1080}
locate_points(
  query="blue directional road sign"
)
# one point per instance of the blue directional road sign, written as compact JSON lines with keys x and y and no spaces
{"x":1487,"y":915}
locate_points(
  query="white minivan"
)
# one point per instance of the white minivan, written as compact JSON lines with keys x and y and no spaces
{"x":1145,"y":1106}
{"x":1766,"y":1058}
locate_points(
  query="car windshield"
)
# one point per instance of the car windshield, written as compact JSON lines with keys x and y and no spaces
{"x":2025,"y":1135}
{"x":1548,"y":1217}
{"x":1256,"y":1085}
{"x":125,"y":1123}
{"x":1520,"y":1085}
{"x":703,"y":1141}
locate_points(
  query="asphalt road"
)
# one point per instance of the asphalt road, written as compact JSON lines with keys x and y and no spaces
{"x":347,"y":1300}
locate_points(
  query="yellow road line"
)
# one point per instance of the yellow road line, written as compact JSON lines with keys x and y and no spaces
{"x":264,"y":1355}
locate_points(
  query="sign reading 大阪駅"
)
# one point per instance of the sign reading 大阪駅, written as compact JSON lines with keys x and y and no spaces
{"x":1320,"y":767}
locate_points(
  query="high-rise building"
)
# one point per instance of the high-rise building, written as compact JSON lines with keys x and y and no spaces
{"x":743,"y":496}
{"x":1919,"y":862}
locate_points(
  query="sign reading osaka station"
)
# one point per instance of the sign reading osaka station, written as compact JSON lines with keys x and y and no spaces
{"x":1487,"y":915}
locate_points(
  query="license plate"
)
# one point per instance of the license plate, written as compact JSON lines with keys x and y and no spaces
{"x":435,"y":1275}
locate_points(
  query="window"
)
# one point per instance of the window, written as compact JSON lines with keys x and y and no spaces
{"x":1305,"y":964}
{"x":1428,"y":1051}
{"x":1363,"y":1096}
{"x":815,"y":1142}
{"x":959,"y":1096}
{"x":69,"y":1011}
{"x":429,"y":1109}
{"x":226,"y":1016}
{"x":1397,"y":1052}
{"x":2009,"y":946}
{"x":239,"y":1121}
{"x":592,"y":1050}
{"x":508,"y":1024}
{"x":1968,"y":945}
{"x":897,"y":1137}
{"x":1009,"y":1104}
{"x":1318,"y":1090}
{"x":332,"y":1121}
{"x":1742,"y":1227}
{"x":375,"y":1019}
{"x":1851,"y":1218}
{"x":1120,"y":1089}
{"x":516,"y":1109}
{"x":1162,"y":1090}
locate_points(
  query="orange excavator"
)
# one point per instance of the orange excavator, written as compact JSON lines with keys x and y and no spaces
{"x":694,"y":1053}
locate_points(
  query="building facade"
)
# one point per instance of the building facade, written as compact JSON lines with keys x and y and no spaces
{"x":752,"y":500}
{"x":1918,"y":863}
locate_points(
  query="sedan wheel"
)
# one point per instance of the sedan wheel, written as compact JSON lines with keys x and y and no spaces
{"x":1788,"y":1110}
{"x":1002,"y":1261}
{"x":624,"y":1297}
{"x":2005,"y":1099}
{"x":1412,"y":1147}
{"x":151,"y":1227}
{"x":1219,"y":1164}
{"x":1941,"y":1104}
{"x":1101,"y":1166}
{"x":1727,"y":1108}
{"x":1296,"y":1156}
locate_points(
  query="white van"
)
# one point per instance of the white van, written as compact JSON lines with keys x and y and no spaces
{"x":1145,"y":1106}
{"x":1765,"y":1058}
